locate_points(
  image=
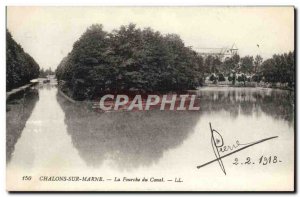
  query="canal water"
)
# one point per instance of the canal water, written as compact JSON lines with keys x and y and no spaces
{"x":49,"y":136}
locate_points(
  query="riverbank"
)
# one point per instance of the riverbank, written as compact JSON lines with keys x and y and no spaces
{"x":18,"y":90}
{"x":239,"y":85}
{"x":66,"y":96}
{"x":251,"y":85}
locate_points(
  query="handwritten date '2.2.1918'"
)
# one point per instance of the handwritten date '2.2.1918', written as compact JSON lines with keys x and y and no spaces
{"x":219,"y":147}
{"x":263,"y":160}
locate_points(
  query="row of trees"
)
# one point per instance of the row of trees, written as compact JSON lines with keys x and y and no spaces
{"x":280,"y":68}
{"x":246,"y":64}
{"x":45,"y":72}
{"x":128,"y":59}
{"x":20,"y":66}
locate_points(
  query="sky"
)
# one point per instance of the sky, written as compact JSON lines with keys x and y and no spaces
{"x":48,"y":33}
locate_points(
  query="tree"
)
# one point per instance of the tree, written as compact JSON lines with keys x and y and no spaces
{"x":230,"y":64}
{"x":221,"y":77}
{"x":242,"y":78}
{"x":257,"y":63}
{"x":247,"y":64}
{"x":212,"y":78}
{"x":212,"y":63}
{"x":45,"y":73}
{"x":20,"y":66}
{"x":256,"y":78}
{"x":236,"y":59}
{"x":128,"y":59}
{"x":280,"y":68}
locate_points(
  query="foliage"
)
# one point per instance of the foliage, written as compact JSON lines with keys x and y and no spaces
{"x":221,"y":77}
{"x":256,"y":78}
{"x":230,"y":63}
{"x":247,"y":64}
{"x":45,"y":73}
{"x":212,"y":64}
{"x":126,"y":59}
{"x":144,"y":60}
{"x":212,"y":78}
{"x":257,"y":63}
{"x":20,"y":66}
{"x":242,"y":78}
{"x":280,"y":68}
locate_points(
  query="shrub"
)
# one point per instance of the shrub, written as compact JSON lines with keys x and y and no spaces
{"x":221,"y":77}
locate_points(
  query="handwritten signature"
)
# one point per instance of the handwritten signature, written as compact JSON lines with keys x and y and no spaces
{"x":218,"y":146}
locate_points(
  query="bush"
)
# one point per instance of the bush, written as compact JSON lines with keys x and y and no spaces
{"x":256,"y":78}
{"x":212,"y":78}
{"x":221,"y":77}
{"x":241,"y":78}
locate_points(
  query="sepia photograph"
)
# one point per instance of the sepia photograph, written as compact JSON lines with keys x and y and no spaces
{"x":150,"y":99}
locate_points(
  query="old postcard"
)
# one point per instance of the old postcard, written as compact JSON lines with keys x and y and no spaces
{"x":150,"y":99}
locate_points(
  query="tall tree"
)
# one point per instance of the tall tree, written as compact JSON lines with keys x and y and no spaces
{"x":247,"y":64}
{"x":20,"y":66}
{"x":280,"y":68}
{"x":257,"y":63}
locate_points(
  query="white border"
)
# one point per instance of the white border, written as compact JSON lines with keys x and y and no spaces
{"x":5,"y":3}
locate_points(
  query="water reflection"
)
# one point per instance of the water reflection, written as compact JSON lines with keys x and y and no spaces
{"x":18,"y":110}
{"x":133,"y":139}
{"x":63,"y":138}
{"x":127,"y":139}
{"x":279,"y":104}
